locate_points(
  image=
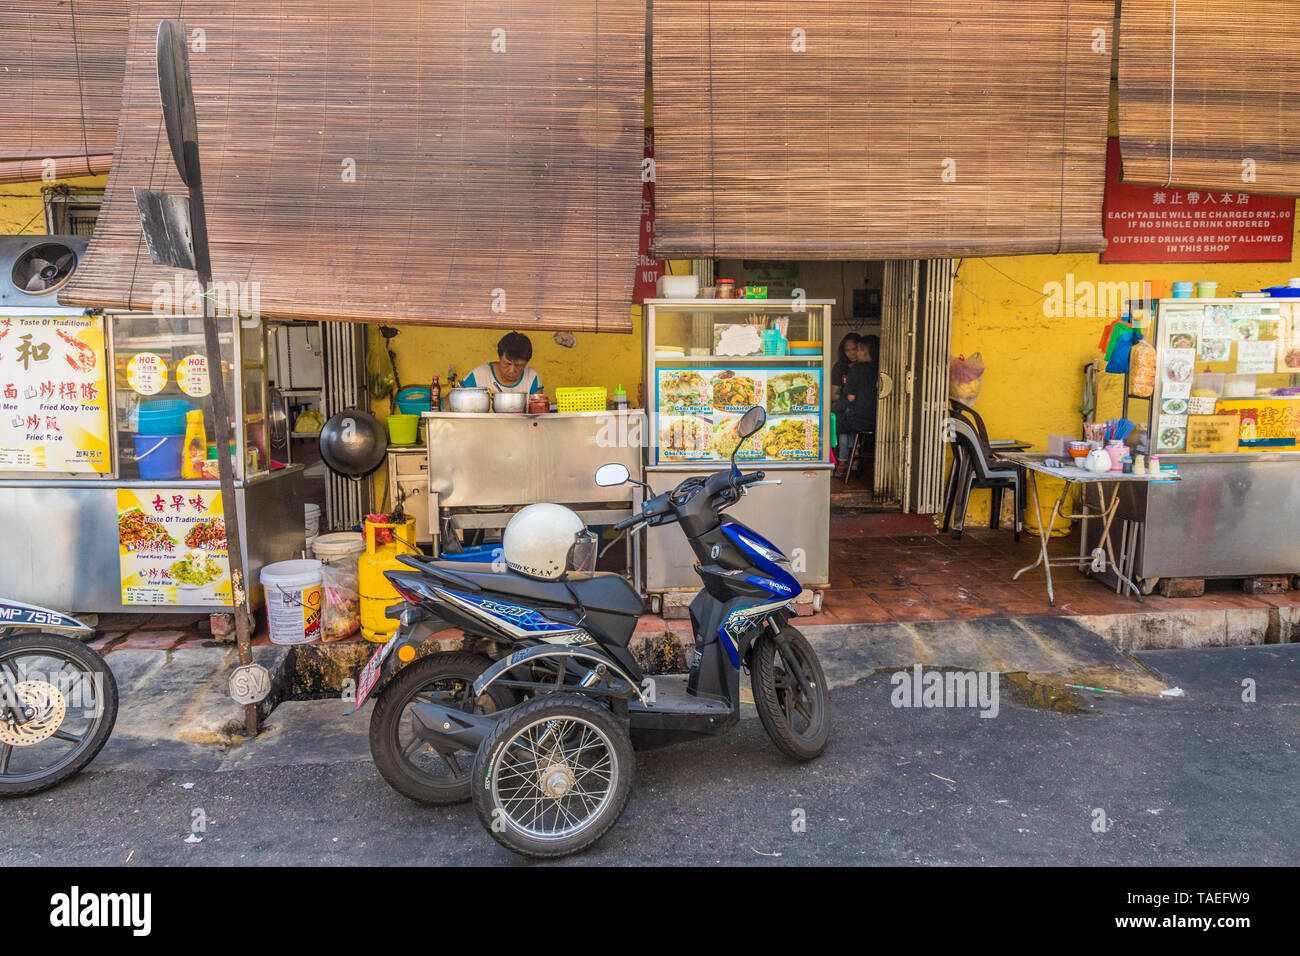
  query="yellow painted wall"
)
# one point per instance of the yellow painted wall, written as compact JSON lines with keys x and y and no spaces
{"x":1033,"y":376}
{"x":21,"y":210}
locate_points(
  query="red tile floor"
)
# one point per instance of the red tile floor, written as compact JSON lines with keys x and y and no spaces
{"x":879,"y":574}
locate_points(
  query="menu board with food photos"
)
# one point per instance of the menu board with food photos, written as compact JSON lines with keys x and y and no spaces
{"x":55,"y":395}
{"x":1227,"y":358}
{"x":172,"y":547}
{"x":699,"y":410}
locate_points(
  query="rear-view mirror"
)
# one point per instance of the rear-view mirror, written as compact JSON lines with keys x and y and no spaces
{"x":607,"y":476}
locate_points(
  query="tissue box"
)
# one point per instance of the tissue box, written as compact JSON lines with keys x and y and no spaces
{"x":678,"y":287}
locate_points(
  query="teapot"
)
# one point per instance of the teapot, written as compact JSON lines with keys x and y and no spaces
{"x":1098,"y":460}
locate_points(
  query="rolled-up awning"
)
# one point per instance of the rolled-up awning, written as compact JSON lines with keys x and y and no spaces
{"x":467,"y":163}
{"x":60,"y":78}
{"x":858,"y":129}
{"x":1209,"y":94}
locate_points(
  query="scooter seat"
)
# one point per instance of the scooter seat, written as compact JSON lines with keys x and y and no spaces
{"x":601,"y":591}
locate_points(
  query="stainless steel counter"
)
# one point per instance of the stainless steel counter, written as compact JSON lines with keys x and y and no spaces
{"x":485,"y":467}
{"x":1228,"y":516}
{"x":61,"y":546}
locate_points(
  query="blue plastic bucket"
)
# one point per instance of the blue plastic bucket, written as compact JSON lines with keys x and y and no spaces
{"x":413,"y":400}
{"x":164,"y":416}
{"x":159,"y":456}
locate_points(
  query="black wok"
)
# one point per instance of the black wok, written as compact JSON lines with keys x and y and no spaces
{"x":353,"y":443}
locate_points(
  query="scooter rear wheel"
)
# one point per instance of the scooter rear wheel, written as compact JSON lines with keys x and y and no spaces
{"x":410,"y":766}
{"x":553,"y":776}
{"x":790,"y":693}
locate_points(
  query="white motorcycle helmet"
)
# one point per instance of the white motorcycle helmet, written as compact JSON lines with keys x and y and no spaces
{"x":546,"y":541}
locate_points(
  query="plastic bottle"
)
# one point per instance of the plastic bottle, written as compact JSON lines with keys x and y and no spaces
{"x":196,"y":445}
{"x":620,"y":399}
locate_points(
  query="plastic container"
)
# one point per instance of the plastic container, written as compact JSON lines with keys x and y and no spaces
{"x":377,"y":594}
{"x":1183,"y":290}
{"x":311,"y":519}
{"x":164,"y":416}
{"x":413,"y":400}
{"x":196,"y":445}
{"x":340,"y":548}
{"x":293,"y":600}
{"x":403,"y":429}
{"x":476,"y":554}
{"x":1207,"y":290}
{"x":1153,"y":288}
{"x":159,"y":456}
{"x":586,"y":399}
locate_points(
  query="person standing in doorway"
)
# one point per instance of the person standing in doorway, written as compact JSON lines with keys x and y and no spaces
{"x":848,"y":355}
{"x":861,"y":395}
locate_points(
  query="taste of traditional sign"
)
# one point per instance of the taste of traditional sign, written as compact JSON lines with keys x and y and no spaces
{"x":1175,"y":224}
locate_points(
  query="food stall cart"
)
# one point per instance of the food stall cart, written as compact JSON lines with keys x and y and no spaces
{"x":108,"y":486}
{"x":483,"y":467}
{"x":1225,"y":410}
{"x":707,"y":361}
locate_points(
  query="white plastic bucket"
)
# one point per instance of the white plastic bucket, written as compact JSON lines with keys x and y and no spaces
{"x":293,"y":600}
{"x":340,"y":549}
{"x":311,"y":517}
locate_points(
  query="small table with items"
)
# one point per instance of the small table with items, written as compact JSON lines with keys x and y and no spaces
{"x":1103,"y":555}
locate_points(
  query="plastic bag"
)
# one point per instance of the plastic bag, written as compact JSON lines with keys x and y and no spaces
{"x":380,"y":374}
{"x":1142,"y":370}
{"x":964,"y":378}
{"x":340,"y":602}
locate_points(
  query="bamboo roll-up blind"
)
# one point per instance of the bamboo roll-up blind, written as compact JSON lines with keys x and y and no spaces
{"x":857,"y":129}
{"x":1231,"y":71}
{"x":435,"y":162}
{"x":60,"y":77}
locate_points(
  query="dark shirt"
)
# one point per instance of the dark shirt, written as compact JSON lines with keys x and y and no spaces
{"x":860,"y":415}
{"x":840,"y":372}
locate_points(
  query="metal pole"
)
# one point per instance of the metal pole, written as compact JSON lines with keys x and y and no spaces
{"x":175,"y":90}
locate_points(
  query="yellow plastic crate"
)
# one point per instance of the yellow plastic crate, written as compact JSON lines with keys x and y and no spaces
{"x":580,"y":399}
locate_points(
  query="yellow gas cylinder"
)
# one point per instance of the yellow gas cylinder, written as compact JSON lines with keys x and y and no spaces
{"x":377,"y":595}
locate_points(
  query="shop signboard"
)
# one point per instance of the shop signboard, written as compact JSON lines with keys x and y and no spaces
{"x":172,"y":547}
{"x":54,"y":385}
{"x":648,"y":270}
{"x":1177,"y":224}
{"x":699,"y":409}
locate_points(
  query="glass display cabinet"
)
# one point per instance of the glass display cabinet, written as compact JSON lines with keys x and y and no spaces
{"x":707,"y":361}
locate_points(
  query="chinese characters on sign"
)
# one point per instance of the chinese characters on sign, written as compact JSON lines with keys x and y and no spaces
{"x":648,"y":270}
{"x":172,"y":547}
{"x":53,"y":395}
{"x":1171,"y":224}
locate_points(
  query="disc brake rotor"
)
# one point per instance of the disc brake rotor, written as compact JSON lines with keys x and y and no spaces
{"x":47,"y":707}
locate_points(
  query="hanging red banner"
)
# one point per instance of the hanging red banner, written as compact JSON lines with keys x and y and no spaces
{"x":648,"y":270}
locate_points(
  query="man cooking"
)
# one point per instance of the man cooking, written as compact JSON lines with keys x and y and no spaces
{"x":511,"y":371}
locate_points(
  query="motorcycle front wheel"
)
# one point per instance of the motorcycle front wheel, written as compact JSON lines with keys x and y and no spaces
{"x":68,"y":700}
{"x":554,"y":775}
{"x":790,"y":693}
{"x":411,"y":766}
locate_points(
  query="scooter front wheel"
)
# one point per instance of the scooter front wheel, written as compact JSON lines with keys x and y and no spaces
{"x":553,"y":776}
{"x":790,"y":693}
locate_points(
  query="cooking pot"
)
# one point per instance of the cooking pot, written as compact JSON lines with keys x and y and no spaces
{"x":353,"y":443}
{"x":469,"y":400}
{"x":515,"y":403}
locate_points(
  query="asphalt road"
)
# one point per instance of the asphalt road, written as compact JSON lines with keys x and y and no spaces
{"x":1202,"y":779}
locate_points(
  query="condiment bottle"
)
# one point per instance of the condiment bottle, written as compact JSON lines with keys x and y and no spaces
{"x":196,"y":445}
{"x":620,"y":399}
{"x":1153,"y":465}
{"x":435,"y":395}
{"x":1139,"y":465}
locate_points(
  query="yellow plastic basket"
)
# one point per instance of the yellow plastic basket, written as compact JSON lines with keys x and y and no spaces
{"x":580,"y":399}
